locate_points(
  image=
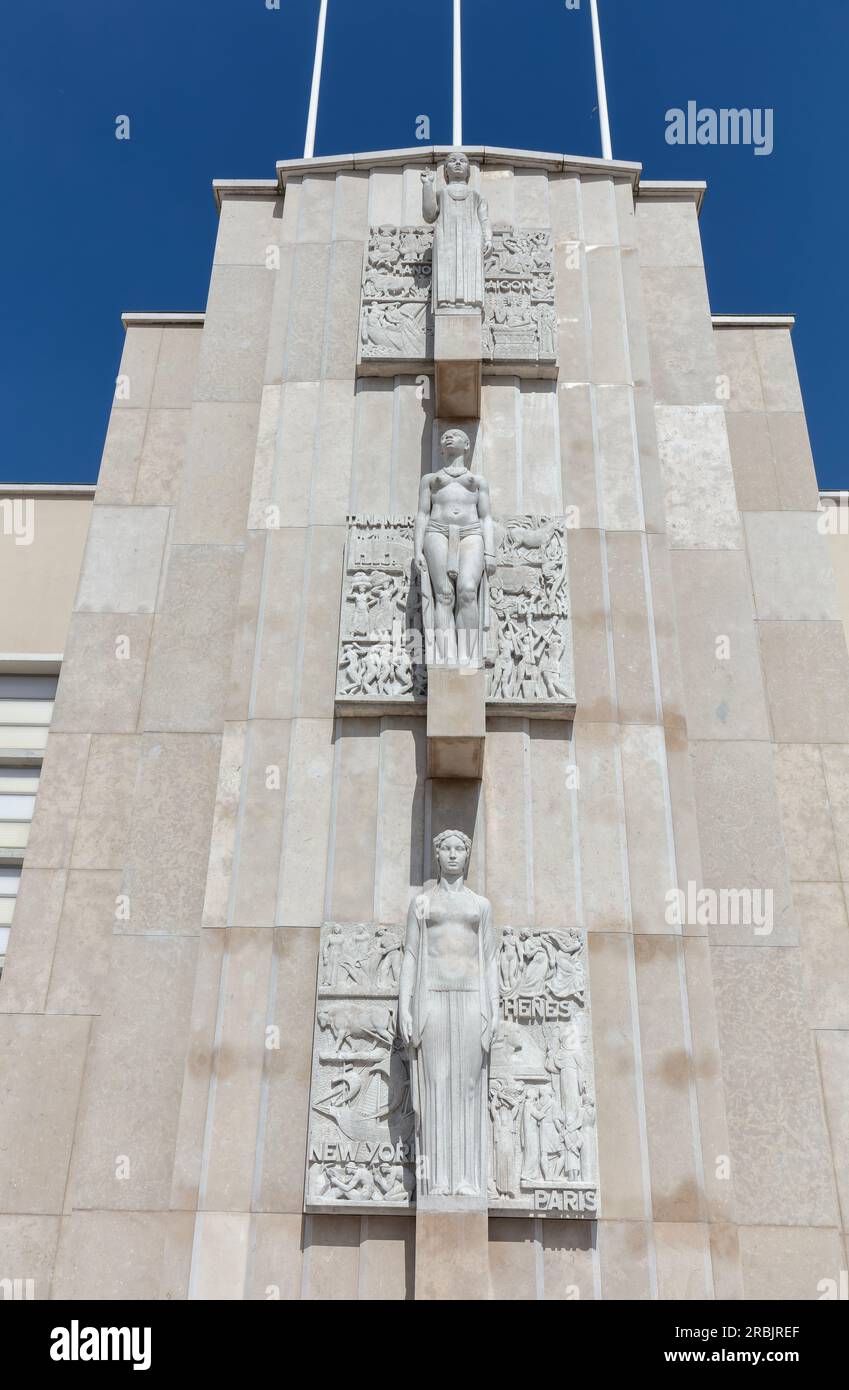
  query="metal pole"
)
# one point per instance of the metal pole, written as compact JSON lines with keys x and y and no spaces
{"x":603,"y":118}
{"x":312,"y":117}
{"x":457,"y":137}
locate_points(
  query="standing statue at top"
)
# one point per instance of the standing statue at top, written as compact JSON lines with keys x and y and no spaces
{"x":463,"y":235}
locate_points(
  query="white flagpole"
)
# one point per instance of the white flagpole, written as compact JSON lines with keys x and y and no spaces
{"x":457,"y":135}
{"x":603,"y":118}
{"x":312,"y":118}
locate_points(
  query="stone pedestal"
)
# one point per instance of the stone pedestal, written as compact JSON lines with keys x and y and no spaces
{"x":452,"y":1256}
{"x":456,"y":721}
{"x":457,"y":359}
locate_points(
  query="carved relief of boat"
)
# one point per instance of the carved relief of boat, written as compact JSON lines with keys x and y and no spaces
{"x":380,"y":1110}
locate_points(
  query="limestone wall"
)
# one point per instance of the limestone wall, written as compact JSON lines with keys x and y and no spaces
{"x":197,"y":784}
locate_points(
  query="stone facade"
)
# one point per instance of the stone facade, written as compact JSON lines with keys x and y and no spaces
{"x":204,"y":809}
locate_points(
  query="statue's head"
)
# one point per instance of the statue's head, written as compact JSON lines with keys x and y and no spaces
{"x":457,"y":168}
{"x":455,"y":444}
{"x":451,"y":850}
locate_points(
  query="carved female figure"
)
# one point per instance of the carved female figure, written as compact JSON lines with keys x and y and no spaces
{"x":447,"y":1016}
{"x":462,"y":236}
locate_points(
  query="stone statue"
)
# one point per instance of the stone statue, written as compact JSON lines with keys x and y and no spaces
{"x":454,"y":553}
{"x":447,"y":1016}
{"x":463,"y":235}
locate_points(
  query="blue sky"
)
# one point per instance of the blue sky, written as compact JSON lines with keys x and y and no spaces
{"x":219,"y":88}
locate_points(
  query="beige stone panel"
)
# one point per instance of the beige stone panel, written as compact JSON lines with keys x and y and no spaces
{"x":824,"y":933}
{"x":608,"y":332}
{"x":738,"y":365}
{"x":370,"y":484}
{"x":355,"y":824}
{"x":231,"y":362}
{"x":216,"y":480}
{"x":592,"y":648}
{"x":651,"y":858}
{"x":668,"y":232}
{"x":725,"y":1262}
{"x":497,"y":186}
{"x":103,"y":672}
{"x":665,"y":624}
{"x":568,"y":1260}
{"x":331,"y":473}
{"x":621,"y":500}
{"x":685,"y":826}
{"x":806,"y":670}
{"x":564,"y":197}
{"x":638,"y":342}
{"x":29,"y":958}
{"x":835,"y":761}
{"x":805,"y":813}
{"x":200,"y":1058}
{"x":724,"y":696}
{"x":260,"y":508}
{"x":598,"y":204}
{"x":83,"y":943}
{"x":684,"y":1271}
{"x":276,"y":664}
{"x":741,"y":840}
{"x":260,"y":829}
{"x":176,"y":366}
{"x":776,"y":361}
{"x":833,"y":1054}
{"x":413,"y":444}
{"x":220,"y":1257}
{"x":29,"y":1245}
{"x":119,"y":464}
{"x":789,"y":1263}
{"x":240,"y":1056}
{"x":668,"y":1081}
{"x":629,"y":618}
{"x":315,"y":217}
{"x":350,"y":210}
{"x":161,"y":463}
{"x":452,"y":1256}
{"x":620,"y":1145}
{"x":274,"y":1263}
{"x":316,"y":674}
{"x":57,"y":805}
{"x":701,"y":504}
{"x":512,"y":1259}
{"x":552,"y":799}
{"x":386,"y":197}
{"x":530,"y":196}
{"x":540,"y":444}
{"x":781,"y":1163}
{"x":295,"y":452}
{"x":123,"y":559}
{"x":44,"y":574}
{"x":790,"y":566}
{"x":308,"y":312}
{"x":625,"y":1266}
{"x":291,"y":209}
{"x":343,"y":320}
{"x":387,"y":1258}
{"x":331,"y":1257}
{"x":500,"y":404}
{"x":626,"y":211}
{"x":700,"y":1009}
{"x":303,"y":862}
{"x":681,"y":338}
{"x":651,"y":473}
{"x":130,"y":1105}
{"x":401,"y":806}
{"x":191,"y":648}
{"x":794,"y":464}
{"x":138,"y":367}
{"x":278,"y":327}
{"x":577,"y":456}
{"x":286,"y":1085}
{"x":219,"y":874}
{"x":42,"y":1068}
{"x":508,"y":864}
{"x":601,"y":828}
{"x":248,"y":228}
{"x":135,"y":1256}
{"x":103,"y":821}
{"x":570,"y":301}
{"x":165,"y":870}
{"x":751,"y":458}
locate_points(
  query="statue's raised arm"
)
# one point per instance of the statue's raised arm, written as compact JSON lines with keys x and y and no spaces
{"x":463,"y":235}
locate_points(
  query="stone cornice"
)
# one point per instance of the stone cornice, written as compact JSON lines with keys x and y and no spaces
{"x":156,"y":320}
{"x":663,"y":190}
{"x":753,"y":320}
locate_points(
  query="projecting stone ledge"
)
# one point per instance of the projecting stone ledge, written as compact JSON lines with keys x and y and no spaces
{"x":456,"y":721}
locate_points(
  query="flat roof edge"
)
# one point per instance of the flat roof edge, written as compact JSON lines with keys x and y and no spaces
{"x":663,"y":189}
{"x":481,"y":154}
{"x":156,"y":320}
{"x":47,"y":489}
{"x":753,"y":320}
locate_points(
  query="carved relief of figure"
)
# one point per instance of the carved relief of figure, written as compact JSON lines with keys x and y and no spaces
{"x":389,"y":1180}
{"x":454,"y":551}
{"x":549,"y":1138}
{"x":364,"y":598}
{"x":447,"y":1013}
{"x":505,"y":1103}
{"x":389,"y":951}
{"x":502,"y":672}
{"x":509,"y":961}
{"x":330,"y":954}
{"x":462,"y":236}
{"x":531,"y":1171}
{"x":549,"y":665}
{"x":565,"y":1064}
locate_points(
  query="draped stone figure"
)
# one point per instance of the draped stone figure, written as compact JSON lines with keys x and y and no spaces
{"x":462,"y":235}
{"x":447,"y":1016}
{"x":454,"y":553}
